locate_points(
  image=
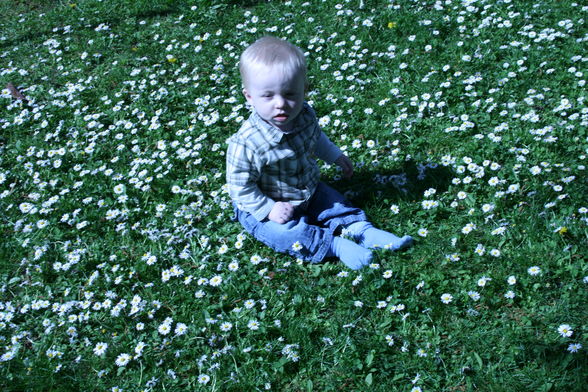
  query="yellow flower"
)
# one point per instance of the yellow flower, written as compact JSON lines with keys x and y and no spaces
{"x":134,"y":48}
{"x":391,"y":25}
{"x":172,"y":60}
{"x":562,"y":230}
{"x":72,"y":5}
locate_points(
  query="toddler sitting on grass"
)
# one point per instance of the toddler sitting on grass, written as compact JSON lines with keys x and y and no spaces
{"x":273,"y":178}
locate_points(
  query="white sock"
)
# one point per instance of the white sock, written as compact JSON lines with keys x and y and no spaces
{"x":351,"y":254}
{"x":370,"y":237}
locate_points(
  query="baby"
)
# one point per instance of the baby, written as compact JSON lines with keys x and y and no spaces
{"x":272,"y":175}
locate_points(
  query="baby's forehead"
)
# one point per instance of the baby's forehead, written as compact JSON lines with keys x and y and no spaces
{"x":260,"y":73}
{"x":283,"y":69}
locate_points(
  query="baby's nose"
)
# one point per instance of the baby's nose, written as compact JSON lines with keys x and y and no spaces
{"x":280,"y":101}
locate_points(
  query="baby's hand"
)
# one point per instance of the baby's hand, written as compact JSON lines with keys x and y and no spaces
{"x":345,"y":164}
{"x":281,"y":212}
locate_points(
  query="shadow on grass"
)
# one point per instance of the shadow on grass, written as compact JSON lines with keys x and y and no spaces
{"x":372,"y":187}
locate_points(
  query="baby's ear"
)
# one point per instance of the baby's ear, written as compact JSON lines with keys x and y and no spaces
{"x":247,"y":95}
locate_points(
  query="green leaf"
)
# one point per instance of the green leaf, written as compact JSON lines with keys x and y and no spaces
{"x":479,"y":360}
{"x":369,"y":379}
{"x":385,"y":323}
{"x":370,"y":358}
{"x":546,"y":387}
{"x":316,"y":271}
{"x":279,"y":365}
{"x":398,"y":376}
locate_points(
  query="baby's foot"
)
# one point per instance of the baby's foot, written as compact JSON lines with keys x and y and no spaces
{"x":375,"y":238}
{"x":351,"y":254}
{"x":370,"y":237}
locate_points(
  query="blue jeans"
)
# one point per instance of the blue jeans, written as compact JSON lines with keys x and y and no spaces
{"x":312,"y":225}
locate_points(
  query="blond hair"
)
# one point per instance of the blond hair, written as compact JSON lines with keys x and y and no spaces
{"x":271,"y":52}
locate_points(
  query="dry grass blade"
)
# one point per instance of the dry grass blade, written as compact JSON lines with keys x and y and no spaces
{"x":15,"y":93}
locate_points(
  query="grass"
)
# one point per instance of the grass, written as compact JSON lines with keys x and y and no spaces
{"x":120,"y":268}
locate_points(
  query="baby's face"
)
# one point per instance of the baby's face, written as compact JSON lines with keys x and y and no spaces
{"x":276,"y":96}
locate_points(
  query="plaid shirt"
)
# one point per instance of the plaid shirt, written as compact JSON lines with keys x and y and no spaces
{"x":265,"y":164}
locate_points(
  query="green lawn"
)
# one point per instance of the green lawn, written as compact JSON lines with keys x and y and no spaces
{"x":120,"y":266}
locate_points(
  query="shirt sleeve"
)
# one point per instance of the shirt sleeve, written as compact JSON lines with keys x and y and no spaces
{"x":326,"y":149}
{"x":242,"y":176}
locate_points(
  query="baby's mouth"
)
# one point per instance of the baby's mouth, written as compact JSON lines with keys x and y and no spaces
{"x":281,"y":117}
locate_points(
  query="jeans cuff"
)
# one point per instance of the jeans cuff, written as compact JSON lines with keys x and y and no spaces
{"x":324,"y":248}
